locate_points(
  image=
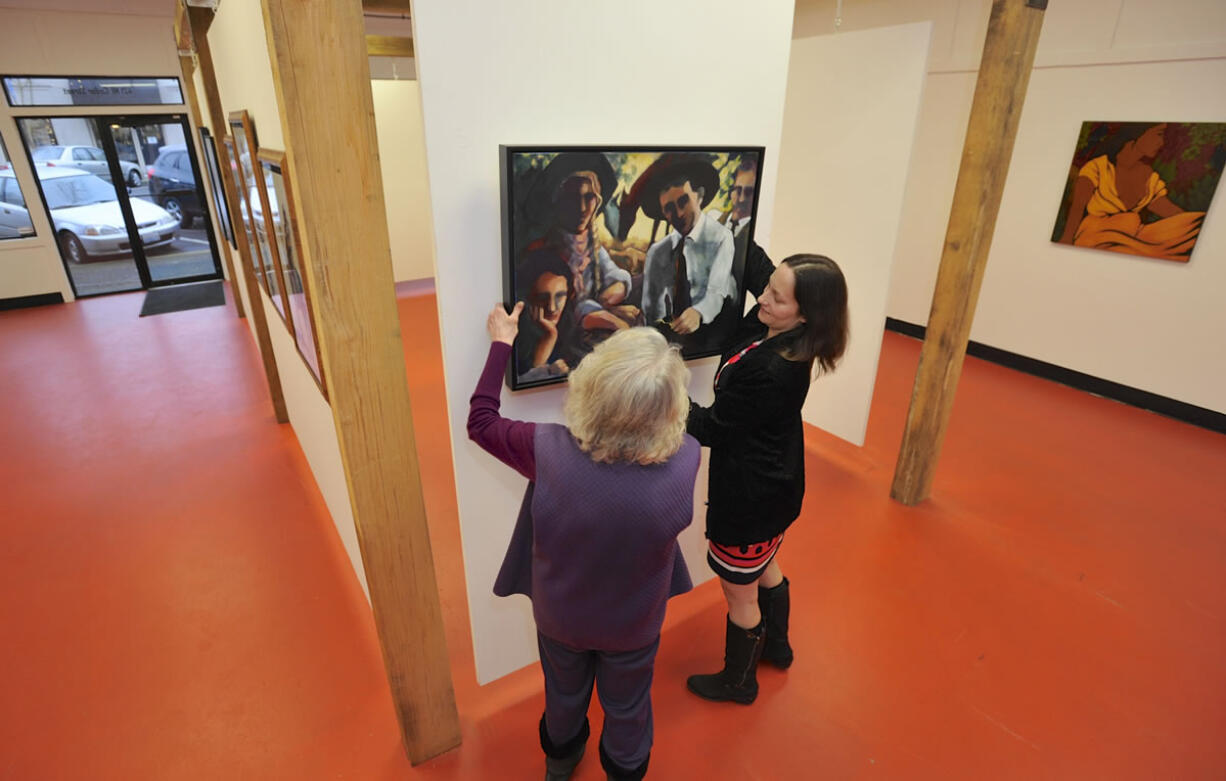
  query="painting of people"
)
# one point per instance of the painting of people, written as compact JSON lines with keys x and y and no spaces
{"x":597,"y":240}
{"x":1141,"y":188}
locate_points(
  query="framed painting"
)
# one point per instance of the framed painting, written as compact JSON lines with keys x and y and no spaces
{"x":282,"y":223}
{"x":244,"y":213}
{"x":220,"y":202}
{"x":254,"y":195}
{"x":1141,"y":188}
{"x":597,"y":239}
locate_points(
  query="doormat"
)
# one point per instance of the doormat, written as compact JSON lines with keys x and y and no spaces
{"x":177,"y":298}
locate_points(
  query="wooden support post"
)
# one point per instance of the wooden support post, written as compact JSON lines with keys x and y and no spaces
{"x":201,"y":19}
{"x":1004,"y":72}
{"x":322,"y":79}
{"x":188,"y":67}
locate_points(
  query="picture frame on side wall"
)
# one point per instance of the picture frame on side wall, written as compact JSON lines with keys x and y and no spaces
{"x":220,"y":202}
{"x":255,"y":195}
{"x":597,"y":239}
{"x":248,"y":250}
{"x":281,"y":220}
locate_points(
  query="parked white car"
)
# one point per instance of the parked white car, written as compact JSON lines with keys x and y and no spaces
{"x":87,"y":158}
{"x":88,"y":222}
{"x":14,"y":219}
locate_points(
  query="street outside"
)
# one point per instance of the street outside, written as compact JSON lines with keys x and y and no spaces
{"x":187,"y":256}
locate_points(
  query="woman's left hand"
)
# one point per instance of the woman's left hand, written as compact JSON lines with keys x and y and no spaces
{"x":503,"y":327}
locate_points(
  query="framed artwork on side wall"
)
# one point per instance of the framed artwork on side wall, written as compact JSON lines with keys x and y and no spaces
{"x":281,"y":220}
{"x":220,"y":202}
{"x":243,"y":212}
{"x":1141,"y":188}
{"x":255,"y":196}
{"x":598,"y":239}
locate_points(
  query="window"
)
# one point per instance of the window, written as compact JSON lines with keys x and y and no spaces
{"x":14,"y":219}
{"x":45,"y":153}
{"x":91,"y":91}
{"x":81,"y":153}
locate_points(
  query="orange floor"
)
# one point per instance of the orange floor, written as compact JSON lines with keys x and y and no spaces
{"x":175,"y":604}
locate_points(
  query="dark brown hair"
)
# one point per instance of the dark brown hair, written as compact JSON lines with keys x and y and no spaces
{"x":821,"y":297}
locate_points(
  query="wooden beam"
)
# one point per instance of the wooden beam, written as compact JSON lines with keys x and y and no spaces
{"x":322,"y":80}
{"x":183,"y":30}
{"x":187,"y":66}
{"x":201,"y":19}
{"x":1004,"y":72}
{"x":389,"y":46}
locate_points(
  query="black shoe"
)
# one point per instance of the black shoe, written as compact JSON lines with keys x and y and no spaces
{"x":738,"y":681}
{"x":561,"y":761}
{"x":775,"y":604}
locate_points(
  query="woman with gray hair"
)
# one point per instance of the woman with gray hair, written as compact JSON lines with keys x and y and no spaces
{"x":595,"y":545}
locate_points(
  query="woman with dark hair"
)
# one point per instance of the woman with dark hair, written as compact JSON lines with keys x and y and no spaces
{"x":1113,"y":189}
{"x":757,"y":477}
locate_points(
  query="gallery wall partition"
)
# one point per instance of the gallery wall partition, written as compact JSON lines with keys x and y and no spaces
{"x":654,"y":92}
{"x":841,"y":188}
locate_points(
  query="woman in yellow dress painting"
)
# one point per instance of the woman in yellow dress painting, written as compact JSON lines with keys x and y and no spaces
{"x":1113,"y":189}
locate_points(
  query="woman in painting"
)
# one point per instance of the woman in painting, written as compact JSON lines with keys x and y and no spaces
{"x":1112,"y":191}
{"x":567,"y":197}
{"x":756,"y":480}
{"x":598,"y":580}
{"x":544,"y":348}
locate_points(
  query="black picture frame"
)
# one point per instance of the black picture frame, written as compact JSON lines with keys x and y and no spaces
{"x":578,"y":221}
{"x":220,"y":202}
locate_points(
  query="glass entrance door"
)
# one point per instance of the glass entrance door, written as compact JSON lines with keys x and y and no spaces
{"x":124,"y":198}
{"x":168,"y":205}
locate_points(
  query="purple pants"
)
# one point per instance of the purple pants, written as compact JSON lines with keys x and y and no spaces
{"x":623,"y":683}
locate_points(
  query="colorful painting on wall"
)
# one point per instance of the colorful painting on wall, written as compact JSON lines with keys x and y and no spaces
{"x":597,"y":239}
{"x":1141,"y":188}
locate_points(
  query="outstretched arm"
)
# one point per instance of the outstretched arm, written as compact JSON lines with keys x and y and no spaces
{"x":758,"y":269}
{"x":510,"y":441}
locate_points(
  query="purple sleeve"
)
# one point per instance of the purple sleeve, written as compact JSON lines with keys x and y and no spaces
{"x":510,"y":441}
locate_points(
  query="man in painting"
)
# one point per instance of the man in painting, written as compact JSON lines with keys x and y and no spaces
{"x":737,"y":218}
{"x":687,"y":277}
{"x":545,"y":346}
{"x":1113,"y":189}
{"x":567,"y":197}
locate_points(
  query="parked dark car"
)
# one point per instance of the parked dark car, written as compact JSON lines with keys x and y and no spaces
{"x":172,"y":184}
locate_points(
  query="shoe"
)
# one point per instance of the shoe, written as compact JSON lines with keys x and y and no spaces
{"x":738,"y":681}
{"x":560,"y":769}
{"x":775,"y":604}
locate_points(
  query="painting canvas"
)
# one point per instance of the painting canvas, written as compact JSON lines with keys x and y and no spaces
{"x":1141,"y":188}
{"x":284,"y":225}
{"x":598,"y":239}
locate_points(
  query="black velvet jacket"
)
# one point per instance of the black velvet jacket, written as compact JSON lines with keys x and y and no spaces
{"x":757,"y":472}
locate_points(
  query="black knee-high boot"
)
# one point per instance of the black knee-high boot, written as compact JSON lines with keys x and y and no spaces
{"x":738,"y":681}
{"x":776,"y":604}
{"x":561,"y":761}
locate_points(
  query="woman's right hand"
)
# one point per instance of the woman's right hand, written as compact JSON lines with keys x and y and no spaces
{"x":503,"y":327}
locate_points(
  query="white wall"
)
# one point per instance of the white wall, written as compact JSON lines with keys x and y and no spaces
{"x":406,"y":190}
{"x":1153,"y":325}
{"x":843,"y":161}
{"x":40,"y":43}
{"x":495,"y":74}
{"x":244,"y":81}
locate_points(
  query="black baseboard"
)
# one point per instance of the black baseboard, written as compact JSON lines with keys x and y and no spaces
{"x":1172,"y":408}
{"x":22,"y":302}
